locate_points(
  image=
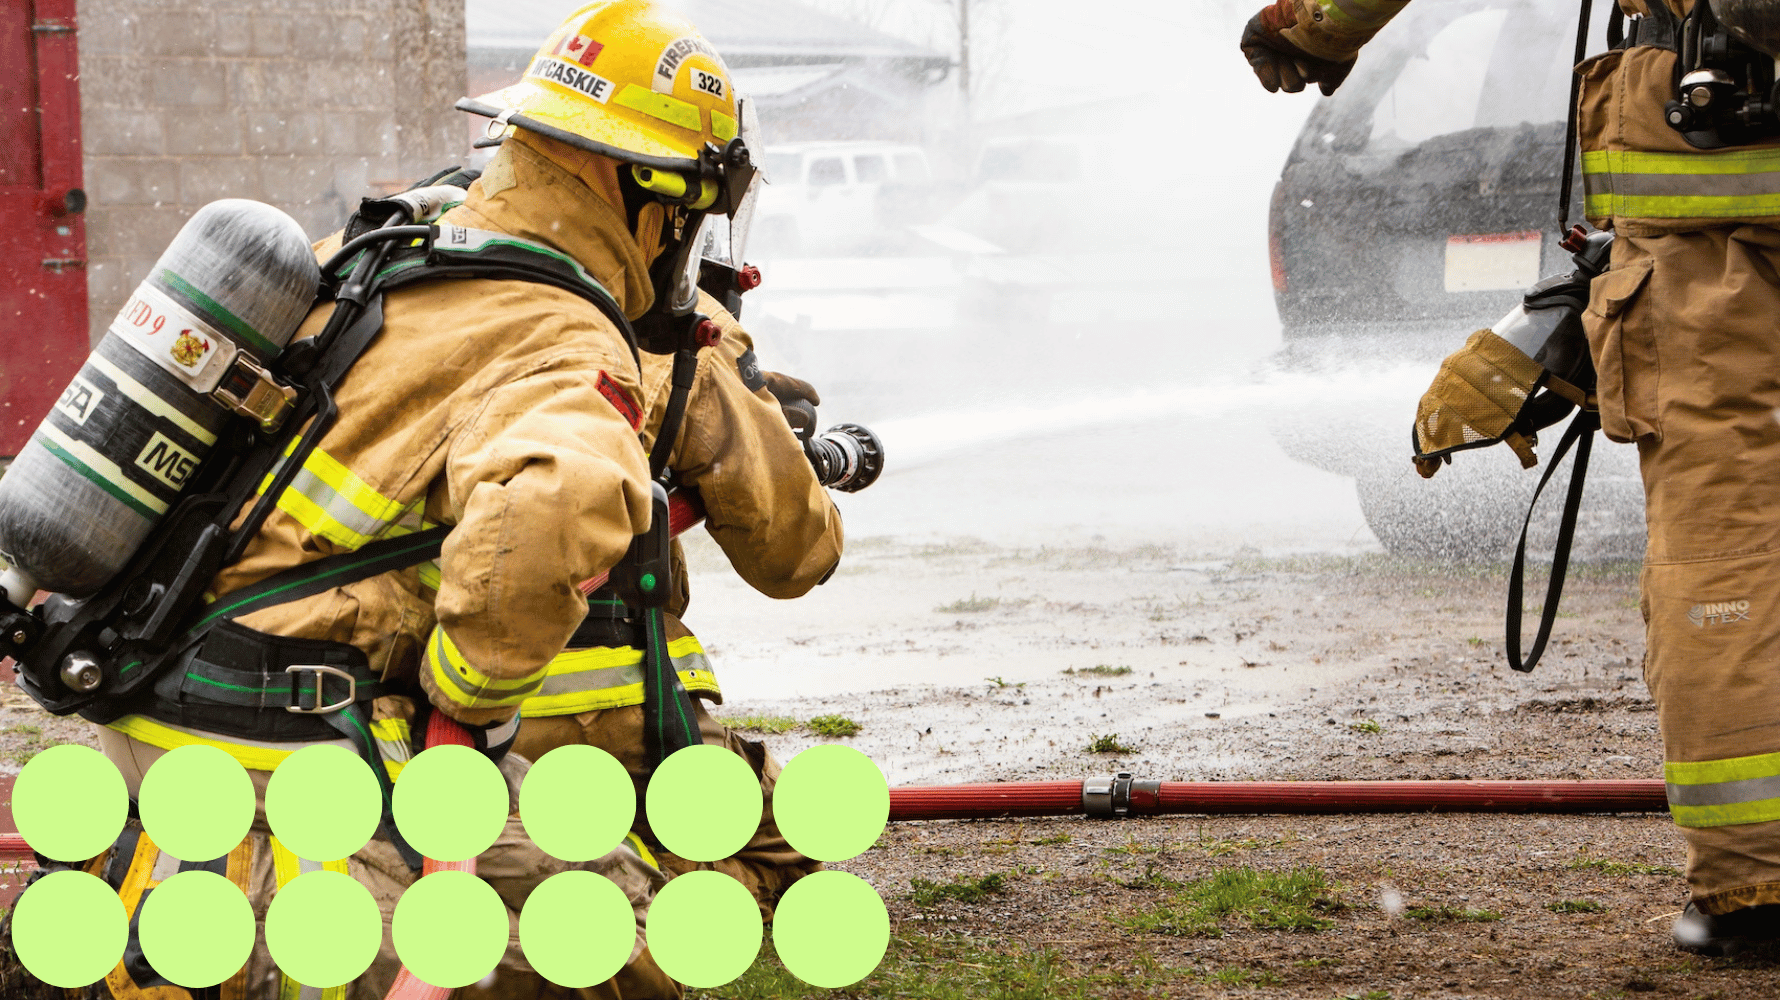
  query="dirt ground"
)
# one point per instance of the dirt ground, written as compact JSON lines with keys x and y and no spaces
{"x":1217,"y":668}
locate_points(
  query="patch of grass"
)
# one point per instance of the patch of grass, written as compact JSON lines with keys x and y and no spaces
{"x":1451,"y":914}
{"x":837,"y":727}
{"x":999,"y":683}
{"x":1236,"y":975}
{"x":1368,"y":995}
{"x":1291,"y":901}
{"x":1098,"y":670}
{"x":770,"y":724}
{"x":1133,"y":846}
{"x":933,"y":967}
{"x":23,"y":729}
{"x":1052,"y":841}
{"x":962,"y":889}
{"x":1607,"y":866}
{"x":1366,"y":726}
{"x":1321,"y":962}
{"x":1575,"y":906}
{"x":970,"y":605}
{"x":1107,"y":744}
{"x":1217,"y":847}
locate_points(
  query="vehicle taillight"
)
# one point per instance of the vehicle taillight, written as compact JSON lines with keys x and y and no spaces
{"x":1276,"y":254}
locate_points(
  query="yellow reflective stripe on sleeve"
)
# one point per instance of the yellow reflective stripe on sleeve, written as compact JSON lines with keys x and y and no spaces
{"x":1729,"y":792}
{"x":469,"y":687}
{"x":1370,"y":14}
{"x":429,"y":574}
{"x":1704,"y":185}
{"x":252,"y":754}
{"x":669,"y":109}
{"x":602,"y":677}
{"x":333,"y":503}
{"x":642,"y":849}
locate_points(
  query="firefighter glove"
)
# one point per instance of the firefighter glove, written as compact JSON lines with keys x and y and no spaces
{"x":1477,"y":399}
{"x":1273,"y":45}
{"x":797,"y":398}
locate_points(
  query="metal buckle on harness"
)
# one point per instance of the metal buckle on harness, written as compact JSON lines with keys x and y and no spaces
{"x":322,"y":671}
{"x":251,"y":391}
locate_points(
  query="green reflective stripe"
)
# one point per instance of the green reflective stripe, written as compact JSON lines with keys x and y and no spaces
{"x":99,"y":470}
{"x":238,"y":326}
{"x":144,"y":397}
{"x":225,"y":609}
{"x":1732,"y":184}
{"x":271,"y":686}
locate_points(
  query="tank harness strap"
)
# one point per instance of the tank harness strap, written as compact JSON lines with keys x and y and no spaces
{"x":1570,"y":138}
{"x":1580,"y":433}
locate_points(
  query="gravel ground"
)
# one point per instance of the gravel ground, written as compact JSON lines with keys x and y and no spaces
{"x":1216,"y":667}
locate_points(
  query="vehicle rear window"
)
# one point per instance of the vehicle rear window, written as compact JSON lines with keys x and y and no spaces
{"x":1498,"y":64}
{"x":869,"y":169}
{"x":783,"y":168}
{"x":827,"y":171}
{"x":911,"y":169}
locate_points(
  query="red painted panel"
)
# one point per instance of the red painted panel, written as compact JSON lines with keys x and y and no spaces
{"x":43,"y":285}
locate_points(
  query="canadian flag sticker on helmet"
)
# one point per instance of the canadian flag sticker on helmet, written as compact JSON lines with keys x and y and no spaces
{"x":580,"y":48}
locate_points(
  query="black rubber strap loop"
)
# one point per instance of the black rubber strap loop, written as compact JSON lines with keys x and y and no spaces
{"x":1580,"y":433}
{"x":1568,"y":177}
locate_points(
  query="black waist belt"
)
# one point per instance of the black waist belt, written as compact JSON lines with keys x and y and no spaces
{"x":246,"y":683}
{"x":608,"y":623}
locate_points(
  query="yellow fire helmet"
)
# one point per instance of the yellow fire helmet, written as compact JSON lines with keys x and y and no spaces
{"x":634,"y":81}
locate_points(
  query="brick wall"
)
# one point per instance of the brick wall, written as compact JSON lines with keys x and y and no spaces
{"x":305,"y":104}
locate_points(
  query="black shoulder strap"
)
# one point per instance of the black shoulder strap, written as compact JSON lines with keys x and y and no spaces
{"x":1580,"y":433}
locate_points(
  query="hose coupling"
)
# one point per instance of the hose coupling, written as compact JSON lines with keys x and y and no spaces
{"x":1114,"y":796}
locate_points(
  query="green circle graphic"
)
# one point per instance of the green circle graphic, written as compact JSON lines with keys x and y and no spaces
{"x":196,"y":803}
{"x":323,"y":802}
{"x":323,"y":928}
{"x":70,"y":802}
{"x":704,"y":927}
{"x":450,"y":928}
{"x":577,"y":802}
{"x":196,"y":929}
{"x":704,"y":803}
{"x":69,"y":928}
{"x":450,"y":803}
{"x":831,"y":802}
{"x":831,"y":929}
{"x":577,"y":929}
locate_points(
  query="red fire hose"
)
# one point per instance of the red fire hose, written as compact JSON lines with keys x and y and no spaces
{"x":1125,"y":796}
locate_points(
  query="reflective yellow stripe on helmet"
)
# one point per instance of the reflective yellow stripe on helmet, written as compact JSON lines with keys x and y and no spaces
{"x":469,"y":687}
{"x":1704,"y":185}
{"x":287,"y":866}
{"x":333,"y":503}
{"x":602,"y":677}
{"x":1728,"y":792}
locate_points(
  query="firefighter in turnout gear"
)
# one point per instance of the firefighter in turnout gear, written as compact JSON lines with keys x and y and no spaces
{"x":1681,"y":329}
{"x":781,"y":532}
{"x":505,"y":405}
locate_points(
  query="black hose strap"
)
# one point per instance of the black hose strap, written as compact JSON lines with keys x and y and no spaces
{"x":1580,"y":433}
{"x":1570,"y":122}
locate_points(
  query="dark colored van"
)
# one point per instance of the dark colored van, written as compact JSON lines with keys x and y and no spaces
{"x":1417,"y":205}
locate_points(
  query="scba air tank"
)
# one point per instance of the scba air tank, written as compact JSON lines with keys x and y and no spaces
{"x":116,"y":450}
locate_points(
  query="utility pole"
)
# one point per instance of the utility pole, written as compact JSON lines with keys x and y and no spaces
{"x":964,"y":54}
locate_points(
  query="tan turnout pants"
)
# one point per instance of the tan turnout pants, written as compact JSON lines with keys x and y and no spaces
{"x":767,"y":865}
{"x":513,"y":866}
{"x":1685,"y":331}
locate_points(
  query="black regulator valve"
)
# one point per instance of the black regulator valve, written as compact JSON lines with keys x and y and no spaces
{"x":644,"y":578}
